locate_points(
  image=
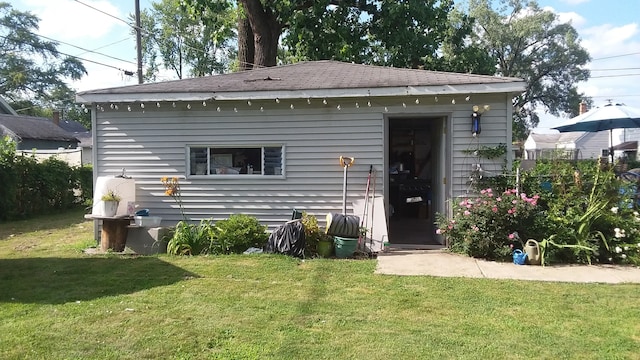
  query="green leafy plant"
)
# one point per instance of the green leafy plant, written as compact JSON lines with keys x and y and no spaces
{"x":190,"y":239}
{"x":236,"y":234}
{"x":488,"y":152}
{"x":548,"y":242}
{"x":483,"y":226}
{"x":30,"y":187}
{"x":313,"y":234}
{"x":110,"y":195}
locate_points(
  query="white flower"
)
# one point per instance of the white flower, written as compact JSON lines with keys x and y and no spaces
{"x":618,"y":249}
{"x":635,"y":213}
{"x":623,"y":256}
{"x":614,"y":210}
{"x":626,"y":248}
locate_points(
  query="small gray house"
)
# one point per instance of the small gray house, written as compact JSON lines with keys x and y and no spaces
{"x":78,"y":131}
{"x":570,"y":145}
{"x":267,"y":141}
{"x":31,"y":132}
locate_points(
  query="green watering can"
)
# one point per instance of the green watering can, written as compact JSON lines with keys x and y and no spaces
{"x":532,"y":249}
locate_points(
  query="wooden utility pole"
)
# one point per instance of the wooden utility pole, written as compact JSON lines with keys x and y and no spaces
{"x":139,"y":41}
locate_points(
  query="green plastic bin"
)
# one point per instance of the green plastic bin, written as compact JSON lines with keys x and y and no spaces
{"x":345,"y":247}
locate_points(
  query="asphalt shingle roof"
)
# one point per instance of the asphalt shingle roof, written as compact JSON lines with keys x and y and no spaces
{"x":29,"y":127}
{"x":313,"y":75}
{"x":72,"y":126}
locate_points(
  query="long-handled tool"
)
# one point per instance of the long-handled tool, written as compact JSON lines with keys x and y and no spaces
{"x":362,"y":242}
{"x":345,"y":162}
{"x":373,"y":203}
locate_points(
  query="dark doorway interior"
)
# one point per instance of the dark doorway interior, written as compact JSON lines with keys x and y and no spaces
{"x":411,"y":164}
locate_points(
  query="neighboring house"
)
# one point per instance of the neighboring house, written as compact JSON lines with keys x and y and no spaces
{"x":35,"y":133}
{"x":267,"y":141}
{"x":79,"y":132}
{"x":42,"y":141}
{"x":570,"y":145}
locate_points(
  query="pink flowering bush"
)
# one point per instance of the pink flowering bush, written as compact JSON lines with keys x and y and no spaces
{"x":486,"y":226}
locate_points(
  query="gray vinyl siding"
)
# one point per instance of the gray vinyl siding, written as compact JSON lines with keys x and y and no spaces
{"x":592,"y":144}
{"x":154,"y":143}
{"x":496,"y":129}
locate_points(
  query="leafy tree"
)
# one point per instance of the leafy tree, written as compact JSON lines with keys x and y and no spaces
{"x":30,"y":67}
{"x":401,"y":33}
{"x":530,"y":43}
{"x":176,"y":41}
{"x":419,"y":33}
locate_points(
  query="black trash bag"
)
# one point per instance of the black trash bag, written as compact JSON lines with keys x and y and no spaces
{"x":287,"y":239}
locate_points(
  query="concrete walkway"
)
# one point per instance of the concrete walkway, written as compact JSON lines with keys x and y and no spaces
{"x":444,"y":263}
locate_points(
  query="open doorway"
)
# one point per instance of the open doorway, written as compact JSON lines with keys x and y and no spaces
{"x":413,"y":154}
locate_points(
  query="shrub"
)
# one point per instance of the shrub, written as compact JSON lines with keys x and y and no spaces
{"x":584,"y":212}
{"x":83,"y":178}
{"x":484,"y":226}
{"x":30,"y":188}
{"x":236,"y":234}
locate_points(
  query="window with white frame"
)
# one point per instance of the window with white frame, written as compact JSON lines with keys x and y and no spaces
{"x":245,"y":160}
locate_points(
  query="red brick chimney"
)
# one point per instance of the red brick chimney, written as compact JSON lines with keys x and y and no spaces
{"x":56,"y":117}
{"x":583,"y":108}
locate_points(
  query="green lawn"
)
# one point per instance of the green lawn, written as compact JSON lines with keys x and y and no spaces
{"x":57,"y":303}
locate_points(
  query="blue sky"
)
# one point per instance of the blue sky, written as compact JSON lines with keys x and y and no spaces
{"x":609,"y":30}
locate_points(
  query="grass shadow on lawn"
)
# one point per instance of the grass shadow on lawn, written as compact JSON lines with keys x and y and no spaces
{"x":61,"y":280}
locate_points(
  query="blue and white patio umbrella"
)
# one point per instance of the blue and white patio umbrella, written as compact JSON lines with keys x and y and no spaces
{"x":607,"y":117}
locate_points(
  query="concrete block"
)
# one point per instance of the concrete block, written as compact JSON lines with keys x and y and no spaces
{"x":147,"y":241}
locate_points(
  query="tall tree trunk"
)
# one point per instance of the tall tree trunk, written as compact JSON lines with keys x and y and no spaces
{"x":266,"y":32}
{"x":246,"y":48}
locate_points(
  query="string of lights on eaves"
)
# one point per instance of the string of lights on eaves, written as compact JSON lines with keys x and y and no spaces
{"x":366,"y":103}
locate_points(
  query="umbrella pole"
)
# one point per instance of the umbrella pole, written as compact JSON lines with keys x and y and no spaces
{"x":611,"y":144}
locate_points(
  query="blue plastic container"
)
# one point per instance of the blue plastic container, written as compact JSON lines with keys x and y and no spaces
{"x":519,"y":257}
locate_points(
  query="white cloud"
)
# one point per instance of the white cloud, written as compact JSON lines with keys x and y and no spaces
{"x":607,"y":39}
{"x":70,"y":20}
{"x":571,"y":17}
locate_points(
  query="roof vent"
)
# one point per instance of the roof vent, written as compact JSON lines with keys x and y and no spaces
{"x":268,"y":78}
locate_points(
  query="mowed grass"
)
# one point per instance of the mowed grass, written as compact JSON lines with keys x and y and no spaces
{"x":58,"y":303}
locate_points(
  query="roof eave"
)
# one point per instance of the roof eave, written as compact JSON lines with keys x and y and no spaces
{"x":466,"y":89}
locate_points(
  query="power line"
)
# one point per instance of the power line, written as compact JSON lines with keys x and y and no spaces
{"x":148,"y":34}
{"x":619,"y":69}
{"x":106,"y":13}
{"x":87,"y":50}
{"x":126,"y":72}
{"x":614,"y":96}
{"x":104,"y":46}
{"x":615,"y":56}
{"x":610,"y":76}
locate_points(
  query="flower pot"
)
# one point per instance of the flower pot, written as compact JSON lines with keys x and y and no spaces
{"x":325,"y":248}
{"x":345,"y":247}
{"x":109,"y":208}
